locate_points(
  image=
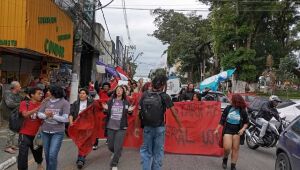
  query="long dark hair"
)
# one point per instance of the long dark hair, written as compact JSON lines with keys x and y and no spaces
{"x":123,"y":94}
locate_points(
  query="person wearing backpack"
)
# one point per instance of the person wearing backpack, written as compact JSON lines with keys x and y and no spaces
{"x":10,"y":103}
{"x":30,"y":127}
{"x":153,"y":105}
{"x":117,"y":109}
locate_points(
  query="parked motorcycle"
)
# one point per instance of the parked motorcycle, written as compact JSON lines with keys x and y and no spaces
{"x":272,"y":134}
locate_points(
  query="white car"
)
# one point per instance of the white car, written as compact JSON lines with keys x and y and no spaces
{"x":291,"y":111}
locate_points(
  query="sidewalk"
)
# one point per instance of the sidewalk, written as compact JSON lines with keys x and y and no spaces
{"x":6,"y":159}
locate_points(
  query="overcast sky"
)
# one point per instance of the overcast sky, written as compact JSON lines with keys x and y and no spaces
{"x":140,"y":25}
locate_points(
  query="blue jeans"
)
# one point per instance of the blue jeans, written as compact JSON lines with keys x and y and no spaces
{"x":152,"y":150}
{"x":52,"y":143}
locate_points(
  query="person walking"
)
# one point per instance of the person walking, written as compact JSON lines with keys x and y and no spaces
{"x":55,"y":114}
{"x":235,"y":121}
{"x":76,"y":108}
{"x":92,"y":90}
{"x":29,"y":129}
{"x":153,"y":105}
{"x":104,"y":95}
{"x":117,"y":110}
{"x":11,"y":102}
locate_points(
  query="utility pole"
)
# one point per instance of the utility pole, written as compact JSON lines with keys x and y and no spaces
{"x":124,"y":57}
{"x":77,"y":51}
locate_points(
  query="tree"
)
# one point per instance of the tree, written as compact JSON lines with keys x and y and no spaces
{"x":133,"y":67}
{"x":253,"y":30}
{"x":188,"y":38}
{"x":286,"y":67}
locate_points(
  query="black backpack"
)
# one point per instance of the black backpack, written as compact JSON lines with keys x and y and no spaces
{"x":16,"y":119}
{"x":153,"y":109}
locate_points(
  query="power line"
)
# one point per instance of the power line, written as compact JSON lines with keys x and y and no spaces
{"x":189,"y":10}
{"x":151,"y":9}
{"x":93,"y":32}
{"x":106,"y":24}
{"x":126,"y":20}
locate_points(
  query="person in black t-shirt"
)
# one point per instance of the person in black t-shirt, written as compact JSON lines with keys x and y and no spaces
{"x":154,"y":131}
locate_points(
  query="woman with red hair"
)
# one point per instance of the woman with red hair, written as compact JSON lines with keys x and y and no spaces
{"x":235,"y":121}
{"x":147,"y":86}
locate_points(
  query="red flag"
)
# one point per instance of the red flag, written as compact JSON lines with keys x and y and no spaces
{"x":114,"y":83}
{"x":123,"y":75}
{"x":86,"y":128}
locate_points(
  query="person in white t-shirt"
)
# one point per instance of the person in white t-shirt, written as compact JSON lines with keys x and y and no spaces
{"x":76,"y":108}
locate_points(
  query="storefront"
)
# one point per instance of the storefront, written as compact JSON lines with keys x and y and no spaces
{"x":36,"y":40}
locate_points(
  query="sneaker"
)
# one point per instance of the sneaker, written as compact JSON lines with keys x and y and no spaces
{"x":95,"y":147}
{"x":112,"y":156}
{"x":224,"y":163}
{"x":233,"y":166}
{"x":106,"y":142}
{"x":10,"y":150}
{"x":80,"y":164}
{"x":114,"y":168}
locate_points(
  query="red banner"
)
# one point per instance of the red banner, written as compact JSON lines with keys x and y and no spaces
{"x":199,"y":120}
{"x":86,"y":128}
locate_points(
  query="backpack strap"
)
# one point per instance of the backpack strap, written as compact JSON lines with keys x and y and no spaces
{"x":164,"y":106}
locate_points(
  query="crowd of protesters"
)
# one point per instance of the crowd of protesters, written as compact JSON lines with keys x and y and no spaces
{"x":46,"y":111}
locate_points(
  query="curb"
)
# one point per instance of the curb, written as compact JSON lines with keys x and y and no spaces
{"x":11,"y":161}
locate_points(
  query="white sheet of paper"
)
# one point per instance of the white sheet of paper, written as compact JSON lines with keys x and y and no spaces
{"x":121,"y":82}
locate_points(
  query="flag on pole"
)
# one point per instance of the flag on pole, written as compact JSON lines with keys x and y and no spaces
{"x":123,"y":75}
{"x":100,"y":67}
{"x":213,"y":81}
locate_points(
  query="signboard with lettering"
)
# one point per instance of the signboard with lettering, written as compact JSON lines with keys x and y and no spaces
{"x":39,"y":26}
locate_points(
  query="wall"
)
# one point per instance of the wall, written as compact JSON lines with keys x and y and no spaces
{"x":36,"y":25}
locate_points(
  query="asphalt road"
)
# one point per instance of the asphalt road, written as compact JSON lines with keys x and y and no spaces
{"x":260,"y":159}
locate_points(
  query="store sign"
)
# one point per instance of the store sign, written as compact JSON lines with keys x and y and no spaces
{"x":64,"y":37}
{"x":10,"y":43}
{"x":53,"y":48}
{"x":47,"y":20}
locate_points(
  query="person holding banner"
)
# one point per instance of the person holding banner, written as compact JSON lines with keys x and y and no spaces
{"x":76,"y":108}
{"x":153,"y":105}
{"x":235,"y":121}
{"x":117,"y":110}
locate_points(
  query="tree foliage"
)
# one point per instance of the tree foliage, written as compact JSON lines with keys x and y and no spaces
{"x":188,"y":38}
{"x":286,"y":66}
{"x":237,"y":34}
{"x":245,"y":33}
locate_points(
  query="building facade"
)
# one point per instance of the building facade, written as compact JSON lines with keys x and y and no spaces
{"x":36,"y":40}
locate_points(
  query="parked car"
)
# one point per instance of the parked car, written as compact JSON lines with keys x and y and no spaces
{"x":291,"y":110}
{"x":219,"y":96}
{"x":288,"y":147}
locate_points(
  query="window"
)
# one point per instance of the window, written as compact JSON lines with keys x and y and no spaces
{"x":296,"y":127}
